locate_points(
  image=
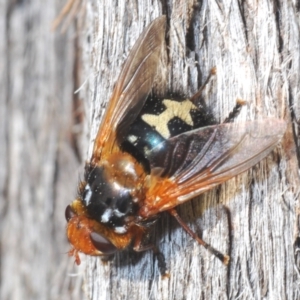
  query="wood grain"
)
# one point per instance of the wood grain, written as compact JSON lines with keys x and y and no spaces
{"x":38,"y":163}
{"x":253,"y":217}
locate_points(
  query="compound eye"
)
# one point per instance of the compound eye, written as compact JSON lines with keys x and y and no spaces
{"x":69,"y":213}
{"x":102,"y":244}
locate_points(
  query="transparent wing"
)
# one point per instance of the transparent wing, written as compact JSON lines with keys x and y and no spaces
{"x":132,"y":88}
{"x":194,"y":162}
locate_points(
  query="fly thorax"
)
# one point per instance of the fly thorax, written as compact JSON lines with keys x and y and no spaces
{"x":113,"y":192}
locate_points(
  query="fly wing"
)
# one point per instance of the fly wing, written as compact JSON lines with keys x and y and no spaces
{"x":191,"y":163}
{"x":132,"y":88}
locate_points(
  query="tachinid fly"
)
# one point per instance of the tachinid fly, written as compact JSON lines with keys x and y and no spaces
{"x":151,"y":155}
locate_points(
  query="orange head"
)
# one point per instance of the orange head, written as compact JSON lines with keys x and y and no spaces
{"x":89,"y":236}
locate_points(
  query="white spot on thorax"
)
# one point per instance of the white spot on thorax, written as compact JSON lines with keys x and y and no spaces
{"x":106,"y":215}
{"x":88,"y":195}
{"x":118,"y":214}
{"x":120,"y":229}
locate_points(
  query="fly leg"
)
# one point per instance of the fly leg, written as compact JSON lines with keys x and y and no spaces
{"x":239,"y":102}
{"x":223,"y":258}
{"x":139,"y":247}
{"x":196,"y":96}
{"x":236,"y":111}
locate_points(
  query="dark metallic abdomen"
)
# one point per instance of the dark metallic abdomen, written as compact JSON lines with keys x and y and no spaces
{"x":160,"y":120}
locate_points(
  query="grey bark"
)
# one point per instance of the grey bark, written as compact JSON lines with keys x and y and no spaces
{"x":253,"y":217}
{"x":38,"y":164}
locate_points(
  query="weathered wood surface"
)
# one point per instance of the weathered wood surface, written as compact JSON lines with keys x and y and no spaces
{"x":253,"y":217}
{"x":38,"y":164}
